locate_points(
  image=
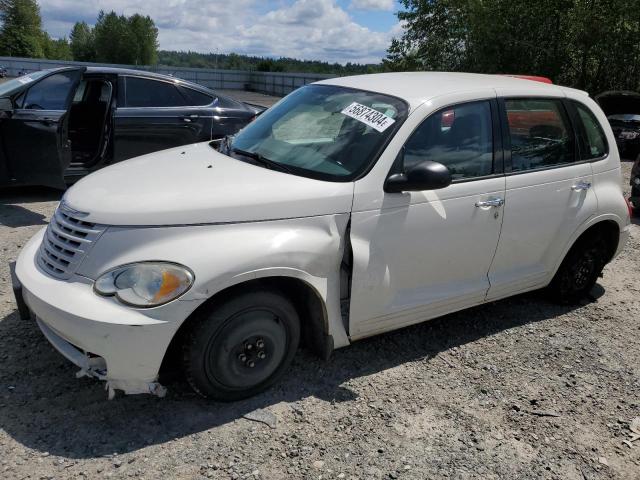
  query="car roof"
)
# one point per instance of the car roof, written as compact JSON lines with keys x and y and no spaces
{"x":418,"y":87}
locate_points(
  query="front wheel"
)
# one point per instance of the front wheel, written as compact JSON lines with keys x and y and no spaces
{"x":242,"y":346}
{"x":579,"y":271}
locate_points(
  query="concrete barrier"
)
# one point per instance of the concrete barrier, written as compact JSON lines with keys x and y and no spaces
{"x":271,"y":83}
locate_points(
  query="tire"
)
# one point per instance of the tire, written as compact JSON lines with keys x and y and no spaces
{"x":579,"y":271}
{"x":242,"y":346}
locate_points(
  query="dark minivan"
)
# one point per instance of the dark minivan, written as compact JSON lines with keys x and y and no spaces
{"x":59,"y":125}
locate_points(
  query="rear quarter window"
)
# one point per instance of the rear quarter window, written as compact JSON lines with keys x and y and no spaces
{"x":196,"y":98}
{"x":593,"y":141}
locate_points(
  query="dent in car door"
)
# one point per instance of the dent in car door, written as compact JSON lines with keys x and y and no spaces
{"x":35,"y":133}
{"x":548,"y":194}
{"x":423,"y":254}
{"x":153,"y":115}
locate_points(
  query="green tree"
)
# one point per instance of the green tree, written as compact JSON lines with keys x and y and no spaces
{"x":589,"y":44}
{"x":132,"y":40}
{"x":145,"y":34}
{"x":114,"y":40}
{"x":21,"y":32}
{"x":83,"y":44}
{"x":56,"y":49}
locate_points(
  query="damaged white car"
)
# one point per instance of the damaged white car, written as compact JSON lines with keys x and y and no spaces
{"x":352,"y":207}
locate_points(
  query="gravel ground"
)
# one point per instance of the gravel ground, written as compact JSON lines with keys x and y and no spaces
{"x":515,"y":389}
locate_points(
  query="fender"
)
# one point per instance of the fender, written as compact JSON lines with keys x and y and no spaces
{"x":624,"y":233}
{"x":309,"y":249}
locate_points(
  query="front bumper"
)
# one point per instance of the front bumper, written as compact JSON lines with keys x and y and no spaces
{"x":106,"y":340}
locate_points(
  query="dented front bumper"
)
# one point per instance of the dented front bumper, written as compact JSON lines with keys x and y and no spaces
{"x":106,"y":340}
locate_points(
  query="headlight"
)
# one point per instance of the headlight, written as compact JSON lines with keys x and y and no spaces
{"x":145,"y":284}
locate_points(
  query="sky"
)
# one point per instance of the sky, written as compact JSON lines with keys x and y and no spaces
{"x":331,"y":30}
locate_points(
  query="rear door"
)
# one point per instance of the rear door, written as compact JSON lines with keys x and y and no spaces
{"x":34,"y":135}
{"x":155,"y":114}
{"x":548,"y":193}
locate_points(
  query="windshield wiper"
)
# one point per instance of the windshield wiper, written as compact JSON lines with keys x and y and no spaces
{"x":264,"y":161}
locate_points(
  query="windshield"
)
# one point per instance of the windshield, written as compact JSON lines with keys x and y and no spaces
{"x":322,"y":131}
{"x":7,"y":88}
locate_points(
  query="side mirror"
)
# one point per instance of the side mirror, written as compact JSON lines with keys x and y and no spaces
{"x":6,"y":105}
{"x":427,"y":175}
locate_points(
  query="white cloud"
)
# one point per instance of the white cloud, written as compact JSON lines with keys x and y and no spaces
{"x":372,"y":4}
{"x":307,"y":29}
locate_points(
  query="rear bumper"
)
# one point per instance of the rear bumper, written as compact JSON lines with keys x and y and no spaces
{"x":106,"y":340}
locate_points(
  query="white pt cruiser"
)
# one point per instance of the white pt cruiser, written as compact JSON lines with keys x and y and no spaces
{"x":352,"y":207}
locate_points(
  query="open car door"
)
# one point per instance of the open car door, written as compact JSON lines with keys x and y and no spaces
{"x":34,"y":133}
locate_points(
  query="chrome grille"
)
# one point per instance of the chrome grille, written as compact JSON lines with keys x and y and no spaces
{"x":66,"y":242}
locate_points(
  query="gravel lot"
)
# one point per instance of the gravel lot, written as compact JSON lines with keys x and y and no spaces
{"x":515,"y":389}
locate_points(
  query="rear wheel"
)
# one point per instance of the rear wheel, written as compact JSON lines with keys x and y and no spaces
{"x":579,"y":271}
{"x":242,"y":346}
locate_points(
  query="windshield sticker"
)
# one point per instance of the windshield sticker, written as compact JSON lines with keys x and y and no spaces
{"x":25,"y":79}
{"x":369,"y":116}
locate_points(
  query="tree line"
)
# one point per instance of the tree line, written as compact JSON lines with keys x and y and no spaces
{"x":233,"y":61}
{"x":589,"y":44}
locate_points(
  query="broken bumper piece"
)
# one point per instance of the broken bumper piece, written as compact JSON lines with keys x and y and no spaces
{"x":96,"y":367}
{"x":107,"y":340}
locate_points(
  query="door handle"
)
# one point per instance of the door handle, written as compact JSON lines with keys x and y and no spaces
{"x":581,"y":186}
{"x":189,"y":118}
{"x":47,"y":121}
{"x":492,"y":202}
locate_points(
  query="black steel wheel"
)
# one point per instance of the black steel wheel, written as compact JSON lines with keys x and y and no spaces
{"x":242,"y":346}
{"x":579,"y":271}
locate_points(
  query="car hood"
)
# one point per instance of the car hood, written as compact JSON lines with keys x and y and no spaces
{"x":195,"y":184}
{"x":619,"y":103}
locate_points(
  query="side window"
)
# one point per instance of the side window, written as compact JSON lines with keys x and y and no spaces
{"x":50,"y":93}
{"x":196,"y":98}
{"x":143,"y":92}
{"x":594,"y":143}
{"x":540,"y":134}
{"x":459,"y":137}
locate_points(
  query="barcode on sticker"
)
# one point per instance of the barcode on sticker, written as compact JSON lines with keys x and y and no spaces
{"x":369,"y":116}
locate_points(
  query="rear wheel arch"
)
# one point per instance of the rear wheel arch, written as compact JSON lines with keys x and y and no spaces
{"x":583,"y":262}
{"x":608,"y":230}
{"x":308,"y":302}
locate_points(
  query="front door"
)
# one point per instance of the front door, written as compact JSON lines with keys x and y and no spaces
{"x":34,"y":135}
{"x":155,"y":115}
{"x":423,"y":254}
{"x":548,"y":194}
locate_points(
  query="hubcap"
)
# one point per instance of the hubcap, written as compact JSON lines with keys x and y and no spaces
{"x":247,"y":350}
